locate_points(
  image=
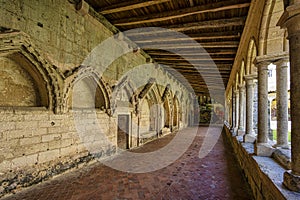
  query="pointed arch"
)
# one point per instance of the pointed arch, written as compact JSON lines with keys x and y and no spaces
{"x":242,"y":72}
{"x":44,"y":78}
{"x":87,"y":77}
{"x":251,"y":55}
{"x":150,"y":95}
{"x":126,"y":87}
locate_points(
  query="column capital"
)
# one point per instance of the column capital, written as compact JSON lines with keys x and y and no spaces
{"x":250,"y":77}
{"x":291,"y":19}
{"x":281,"y":62}
{"x":236,"y":92}
{"x":241,"y":87}
{"x":262,"y":65}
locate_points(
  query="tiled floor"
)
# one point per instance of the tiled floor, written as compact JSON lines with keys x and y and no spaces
{"x":215,"y":176}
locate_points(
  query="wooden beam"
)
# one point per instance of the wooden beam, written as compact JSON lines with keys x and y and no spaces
{"x":128,"y":5}
{"x":232,"y":44}
{"x":202,"y":66}
{"x":219,"y":23}
{"x":170,"y":36}
{"x":196,"y":70}
{"x":169,"y":15}
{"x":196,"y":38}
{"x":193,"y":59}
{"x":158,"y":52}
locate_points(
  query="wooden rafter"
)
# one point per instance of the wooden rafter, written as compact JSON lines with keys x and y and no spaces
{"x":219,"y":23}
{"x":158,"y":17}
{"x":128,"y":5}
{"x":192,"y":45}
{"x":192,"y":59}
{"x":158,"y":52}
{"x":198,"y":38}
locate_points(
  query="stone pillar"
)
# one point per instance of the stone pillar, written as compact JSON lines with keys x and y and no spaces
{"x":241,"y":129}
{"x":291,"y":20}
{"x":282,"y":103}
{"x":262,"y":147}
{"x":250,"y":134}
{"x":255,"y":106}
{"x":233,"y":112}
{"x":237,"y":100}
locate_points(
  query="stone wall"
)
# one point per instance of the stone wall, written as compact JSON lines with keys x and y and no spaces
{"x":59,"y":101}
{"x":264,"y":175}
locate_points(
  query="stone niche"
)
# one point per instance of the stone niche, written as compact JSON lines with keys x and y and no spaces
{"x":17,"y":86}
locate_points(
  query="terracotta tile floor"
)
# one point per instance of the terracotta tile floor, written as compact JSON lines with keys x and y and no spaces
{"x":215,"y":176}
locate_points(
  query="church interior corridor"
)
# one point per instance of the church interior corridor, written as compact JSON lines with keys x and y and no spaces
{"x":150,"y":99}
{"x":216,"y":176}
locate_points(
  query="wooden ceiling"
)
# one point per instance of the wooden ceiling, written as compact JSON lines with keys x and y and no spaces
{"x":215,"y":24}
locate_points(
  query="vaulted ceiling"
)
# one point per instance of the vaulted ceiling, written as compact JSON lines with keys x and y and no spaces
{"x":217,"y":25}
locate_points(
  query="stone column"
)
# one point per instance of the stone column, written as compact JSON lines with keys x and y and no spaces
{"x":262,"y":147}
{"x":233,"y":112}
{"x":291,"y":20}
{"x":282,"y":103}
{"x":237,"y":98}
{"x":255,"y":106}
{"x":241,"y":129}
{"x":250,"y":134}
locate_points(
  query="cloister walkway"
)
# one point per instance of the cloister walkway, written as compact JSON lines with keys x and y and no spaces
{"x":216,"y":176}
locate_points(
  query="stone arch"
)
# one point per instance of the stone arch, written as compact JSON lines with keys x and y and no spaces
{"x":86,"y":77}
{"x":167,"y":106}
{"x":251,"y":55}
{"x":176,"y":111}
{"x":29,"y":78}
{"x":237,"y":80}
{"x":242,"y":72}
{"x":150,"y":94}
{"x":124,"y":91}
{"x":271,"y":35}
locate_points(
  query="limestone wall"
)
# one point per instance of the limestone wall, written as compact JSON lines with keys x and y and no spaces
{"x":263,"y":187}
{"x":58,"y":106}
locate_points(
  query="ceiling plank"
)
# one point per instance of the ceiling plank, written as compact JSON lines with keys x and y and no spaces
{"x":218,"y":23}
{"x":158,"y":52}
{"x":171,"y":36}
{"x":128,"y":5}
{"x":198,"y":38}
{"x":232,"y":44}
{"x":158,"y":17}
{"x":192,"y":59}
{"x":201,"y":66}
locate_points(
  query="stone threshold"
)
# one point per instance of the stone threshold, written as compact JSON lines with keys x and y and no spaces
{"x":264,"y":174}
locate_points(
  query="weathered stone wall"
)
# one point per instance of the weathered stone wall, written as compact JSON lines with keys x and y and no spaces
{"x":47,"y":87}
{"x":16,"y":82}
{"x":274,"y":40}
{"x":261,"y":184}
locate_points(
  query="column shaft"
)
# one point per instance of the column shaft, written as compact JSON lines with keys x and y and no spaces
{"x":249,"y":137}
{"x":262,"y":147}
{"x":282,"y":104}
{"x":241,"y":129}
{"x":237,"y":104}
{"x":291,"y":20}
{"x":262,"y":103}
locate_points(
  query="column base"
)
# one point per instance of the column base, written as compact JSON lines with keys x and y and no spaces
{"x":282,"y":146}
{"x":240,"y":132}
{"x":251,"y":138}
{"x":291,"y":181}
{"x":263,"y":149}
{"x":234,"y":131}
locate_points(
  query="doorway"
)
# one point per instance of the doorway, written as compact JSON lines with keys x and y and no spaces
{"x":123,"y":131}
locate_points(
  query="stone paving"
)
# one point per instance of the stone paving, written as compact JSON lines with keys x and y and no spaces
{"x":216,"y":176}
